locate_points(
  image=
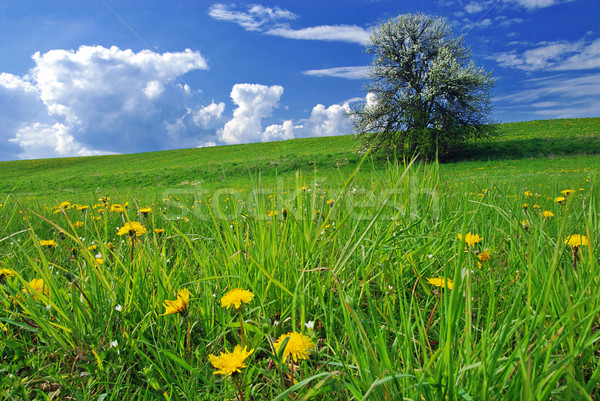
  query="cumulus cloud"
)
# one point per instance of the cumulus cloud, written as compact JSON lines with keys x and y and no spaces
{"x":101,"y":100}
{"x":329,"y":121}
{"x":554,"y":56}
{"x":357,"y":72}
{"x":255,"y":102}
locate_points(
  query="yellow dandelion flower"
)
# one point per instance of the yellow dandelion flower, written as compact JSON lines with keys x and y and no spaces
{"x":146,"y":210}
{"x":536,"y":206}
{"x":236,"y":297}
{"x":525,"y":206}
{"x":78,"y":224}
{"x":65,"y":204}
{"x":179,"y":305}
{"x":330,"y":202}
{"x":528,"y":193}
{"x":50,"y":243}
{"x":484,"y":256}
{"x":38,"y":287}
{"x":298,"y":346}
{"x":82,"y":208}
{"x":441,"y":282}
{"x":6,"y":273}
{"x":470,"y":239}
{"x":228,"y":363}
{"x":577,"y":240}
{"x":133,"y":228}
{"x":547,"y":214}
{"x":116,"y":208}
{"x":560,"y":199}
{"x":567,"y":192}
{"x":159,"y":231}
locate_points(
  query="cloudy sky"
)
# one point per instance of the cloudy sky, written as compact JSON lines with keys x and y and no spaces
{"x":106,"y":76}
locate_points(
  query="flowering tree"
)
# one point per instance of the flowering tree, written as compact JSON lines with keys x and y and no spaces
{"x":424,"y":94}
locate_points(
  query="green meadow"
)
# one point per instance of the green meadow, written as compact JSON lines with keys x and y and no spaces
{"x":299,"y":270}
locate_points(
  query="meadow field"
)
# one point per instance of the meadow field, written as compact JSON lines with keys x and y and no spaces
{"x":298,"y":270}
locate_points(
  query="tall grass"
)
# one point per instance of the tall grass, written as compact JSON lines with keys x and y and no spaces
{"x":347,"y":264}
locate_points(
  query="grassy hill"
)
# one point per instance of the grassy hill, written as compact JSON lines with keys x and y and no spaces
{"x":211,"y":167}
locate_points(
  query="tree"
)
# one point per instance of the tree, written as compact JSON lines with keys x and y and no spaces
{"x":425,"y":95}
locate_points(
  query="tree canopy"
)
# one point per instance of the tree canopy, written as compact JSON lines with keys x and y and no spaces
{"x":425,"y":94}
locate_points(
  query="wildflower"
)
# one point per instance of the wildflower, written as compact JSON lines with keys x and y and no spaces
{"x":38,"y":287}
{"x":547,"y":214}
{"x":228,"y":363}
{"x":82,"y":208}
{"x":133,"y":229}
{"x":525,"y":224}
{"x":146,"y":210}
{"x":484,"y":256}
{"x":528,"y":193}
{"x":236,"y":297}
{"x":577,"y":240}
{"x":470,"y":239}
{"x":441,"y":282}
{"x":104,"y":199}
{"x":118,"y":308}
{"x":65,"y":204}
{"x":179,"y":305}
{"x":560,"y":200}
{"x":536,"y":206}
{"x":330,"y":202}
{"x":6,"y":273}
{"x":78,"y":224}
{"x":159,"y":231}
{"x":310,"y":325}
{"x":567,"y":192}
{"x":298,"y":345}
{"x":116,"y":208}
{"x":48,"y":243}
{"x":525,"y":206}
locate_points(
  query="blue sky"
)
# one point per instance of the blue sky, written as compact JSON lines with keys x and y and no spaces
{"x":105,"y":76}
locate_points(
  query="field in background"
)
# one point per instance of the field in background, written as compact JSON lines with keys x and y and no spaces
{"x":213,"y":168}
{"x":466,"y":280}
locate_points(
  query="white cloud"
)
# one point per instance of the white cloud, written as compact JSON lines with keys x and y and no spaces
{"x":253,"y":19}
{"x":273,"y":21}
{"x":279,"y":132}
{"x":205,"y":117}
{"x":557,"y":97}
{"x":38,"y":140}
{"x":358,"y":72}
{"x":342,"y":33}
{"x":474,"y":7}
{"x":532,"y":4}
{"x":102,"y":100}
{"x":554,"y":56}
{"x":329,"y":121}
{"x":255,"y":102}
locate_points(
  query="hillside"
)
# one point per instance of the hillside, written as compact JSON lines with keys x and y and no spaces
{"x":212,"y":166}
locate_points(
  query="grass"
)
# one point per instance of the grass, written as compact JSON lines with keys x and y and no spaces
{"x":213,"y":168}
{"x":349,"y":264}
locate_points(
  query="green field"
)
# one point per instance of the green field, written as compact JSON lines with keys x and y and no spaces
{"x":475,"y":279}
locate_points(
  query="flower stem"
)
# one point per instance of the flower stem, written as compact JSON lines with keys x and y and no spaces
{"x":242,"y":337}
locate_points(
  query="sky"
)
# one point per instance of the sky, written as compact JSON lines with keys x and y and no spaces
{"x":90,"y":77}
